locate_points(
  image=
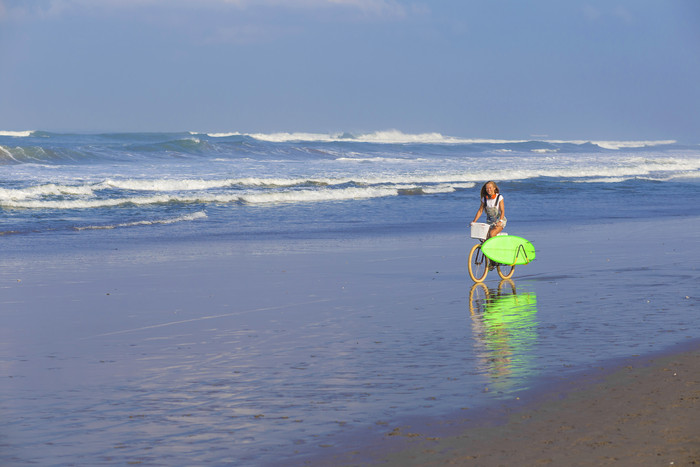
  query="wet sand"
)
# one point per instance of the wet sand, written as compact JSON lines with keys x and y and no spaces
{"x":645,"y":413}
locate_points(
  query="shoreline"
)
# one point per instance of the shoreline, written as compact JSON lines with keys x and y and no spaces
{"x":638,"y":411}
{"x":93,"y":243}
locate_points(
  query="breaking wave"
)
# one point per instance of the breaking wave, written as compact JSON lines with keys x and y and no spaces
{"x":399,"y":137}
{"x":51,"y":181}
{"x":16,"y":134}
{"x":36,"y":147}
{"x":89,"y":197}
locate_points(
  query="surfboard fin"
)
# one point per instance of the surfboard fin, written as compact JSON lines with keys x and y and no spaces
{"x":521,"y":249}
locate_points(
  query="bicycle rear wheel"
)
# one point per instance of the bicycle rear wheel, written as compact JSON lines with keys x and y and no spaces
{"x":478,"y":264}
{"x":505,"y":271}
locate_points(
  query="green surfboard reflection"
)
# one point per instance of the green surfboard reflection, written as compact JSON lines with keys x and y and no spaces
{"x":504,"y":324}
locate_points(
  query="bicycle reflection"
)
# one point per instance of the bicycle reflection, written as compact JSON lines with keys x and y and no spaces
{"x":505,"y":327}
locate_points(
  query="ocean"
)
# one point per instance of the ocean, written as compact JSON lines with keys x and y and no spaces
{"x":177,"y":185}
{"x":236,"y":299}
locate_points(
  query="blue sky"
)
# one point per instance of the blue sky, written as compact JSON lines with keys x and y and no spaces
{"x":604,"y":69}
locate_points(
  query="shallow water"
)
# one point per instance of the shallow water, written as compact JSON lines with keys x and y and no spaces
{"x":208,"y":353}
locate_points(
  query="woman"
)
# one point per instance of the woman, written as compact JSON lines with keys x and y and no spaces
{"x":492,"y":203}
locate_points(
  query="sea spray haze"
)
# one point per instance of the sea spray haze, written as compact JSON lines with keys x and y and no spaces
{"x":170,"y":185}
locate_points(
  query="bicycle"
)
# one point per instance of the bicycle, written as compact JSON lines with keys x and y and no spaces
{"x":479,"y":264}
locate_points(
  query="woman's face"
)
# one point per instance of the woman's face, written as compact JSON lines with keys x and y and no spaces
{"x":490,"y":189}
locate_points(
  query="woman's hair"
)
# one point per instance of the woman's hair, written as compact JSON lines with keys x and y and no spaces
{"x":483,"y":189}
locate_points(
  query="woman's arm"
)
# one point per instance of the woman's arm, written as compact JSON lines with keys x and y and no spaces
{"x":478,"y":213}
{"x":502,"y":209}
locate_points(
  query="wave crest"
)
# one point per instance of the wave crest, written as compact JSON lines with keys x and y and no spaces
{"x":16,"y":134}
{"x":394,"y":136}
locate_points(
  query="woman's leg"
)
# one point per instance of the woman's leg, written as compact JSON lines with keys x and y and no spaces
{"x":494,"y":230}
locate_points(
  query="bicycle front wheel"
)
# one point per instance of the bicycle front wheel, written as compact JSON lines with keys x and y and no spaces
{"x":478,"y":264}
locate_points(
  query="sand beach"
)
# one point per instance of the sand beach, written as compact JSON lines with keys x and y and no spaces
{"x":644,"y":413}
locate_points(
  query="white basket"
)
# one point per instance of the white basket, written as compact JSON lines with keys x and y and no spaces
{"x":480,"y":230}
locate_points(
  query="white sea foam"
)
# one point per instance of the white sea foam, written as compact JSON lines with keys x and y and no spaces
{"x":656,"y":178}
{"x":361,"y":185}
{"x":17,"y":134}
{"x":169,"y":185}
{"x":385,"y":137}
{"x":166,"y":185}
{"x":319,"y":195}
{"x":188,"y":217}
{"x":85,"y":203}
{"x":631,"y":144}
{"x":444,"y":177}
{"x":603,"y":180}
{"x":16,"y":194}
{"x":683,"y":175}
{"x":285,"y":182}
{"x":427,"y":189}
{"x":377,"y":159}
{"x":269,"y":197}
{"x":290,"y":137}
{"x":159,"y":185}
{"x":399,"y":137}
{"x":219,"y":135}
{"x":614,"y":144}
{"x":444,"y":188}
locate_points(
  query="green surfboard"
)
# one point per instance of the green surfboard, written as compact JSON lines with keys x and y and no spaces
{"x":508,"y":249}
